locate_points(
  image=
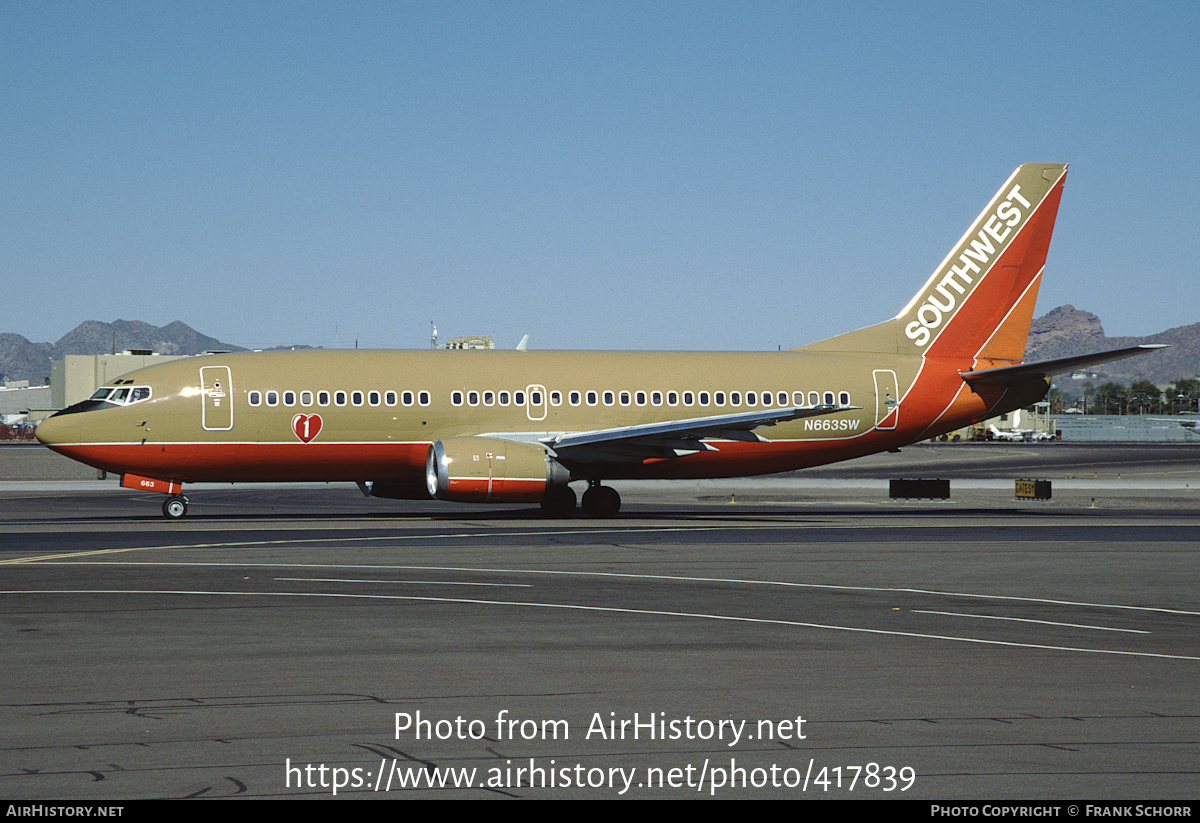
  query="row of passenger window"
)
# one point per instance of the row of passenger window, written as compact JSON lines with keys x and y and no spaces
{"x":555,"y":397}
{"x":338,"y":398}
{"x":652,"y":398}
{"x":503,"y":398}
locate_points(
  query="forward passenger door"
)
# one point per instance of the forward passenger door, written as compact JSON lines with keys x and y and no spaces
{"x":216,"y":392}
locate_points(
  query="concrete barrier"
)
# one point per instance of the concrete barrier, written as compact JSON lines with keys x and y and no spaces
{"x":922,"y":489}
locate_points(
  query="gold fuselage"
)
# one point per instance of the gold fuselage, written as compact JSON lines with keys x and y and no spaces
{"x":174,"y":435}
{"x":378,"y":415}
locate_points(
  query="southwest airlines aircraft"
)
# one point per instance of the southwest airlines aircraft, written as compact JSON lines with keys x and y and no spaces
{"x":520,"y":426}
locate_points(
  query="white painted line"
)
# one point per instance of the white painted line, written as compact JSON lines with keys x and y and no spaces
{"x":1029,"y":620}
{"x":34,"y":561}
{"x":615,"y":610}
{"x":405,"y":582}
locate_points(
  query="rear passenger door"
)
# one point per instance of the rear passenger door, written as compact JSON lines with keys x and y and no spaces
{"x":887,"y":397}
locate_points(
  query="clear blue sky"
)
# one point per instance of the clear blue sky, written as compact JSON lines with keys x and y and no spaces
{"x":641,"y":175}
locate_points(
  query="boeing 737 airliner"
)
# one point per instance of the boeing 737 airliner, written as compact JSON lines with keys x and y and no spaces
{"x":521,"y":426}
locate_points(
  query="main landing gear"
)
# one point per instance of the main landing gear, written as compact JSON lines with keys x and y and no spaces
{"x":598,"y":501}
{"x":560,"y":502}
{"x":601,"y":501}
{"x":175,"y":507}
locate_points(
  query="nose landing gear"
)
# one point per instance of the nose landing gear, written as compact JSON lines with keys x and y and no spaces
{"x":175,"y":507}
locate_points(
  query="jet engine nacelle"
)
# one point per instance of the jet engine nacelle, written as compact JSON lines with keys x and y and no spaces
{"x":491,"y":470}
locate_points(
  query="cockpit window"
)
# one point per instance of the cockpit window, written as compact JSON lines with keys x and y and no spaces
{"x":121,"y":396}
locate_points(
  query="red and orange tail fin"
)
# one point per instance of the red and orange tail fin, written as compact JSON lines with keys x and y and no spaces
{"x":979,"y":302}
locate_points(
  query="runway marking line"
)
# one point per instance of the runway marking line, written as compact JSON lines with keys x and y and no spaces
{"x":1029,"y":620}
{"x":774,"y":525}
{"x":618,"y":610}
{"x":672,"y":577}
{"x":405,"y":582}
{"x":297,"y":541}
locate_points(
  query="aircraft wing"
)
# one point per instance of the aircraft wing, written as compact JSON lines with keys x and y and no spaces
{"x":675,"y":438}
{"x":1011,"y":375}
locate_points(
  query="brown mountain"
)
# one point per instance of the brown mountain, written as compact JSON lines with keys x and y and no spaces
{"x":1067,"y":331}
{"x":23,"y":360}
{"x":1063,"y":332}
{"x":94,"y":337}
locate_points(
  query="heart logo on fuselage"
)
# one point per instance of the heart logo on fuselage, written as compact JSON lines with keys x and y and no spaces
{"x":306,"y":426}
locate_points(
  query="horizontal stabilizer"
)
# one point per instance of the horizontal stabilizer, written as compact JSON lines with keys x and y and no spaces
{"x":1011,"y":375}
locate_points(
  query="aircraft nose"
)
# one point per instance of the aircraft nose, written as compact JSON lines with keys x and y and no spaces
{"x":51,"y":430}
